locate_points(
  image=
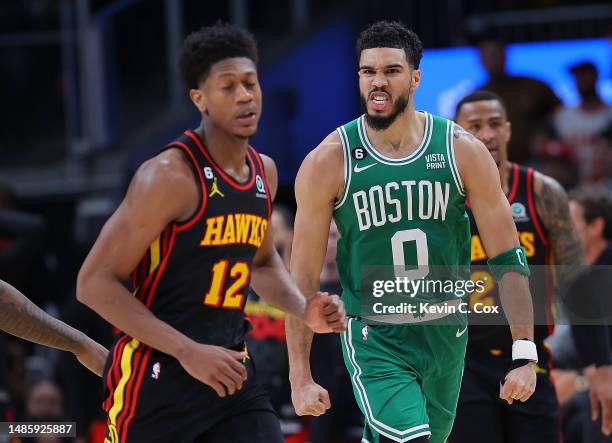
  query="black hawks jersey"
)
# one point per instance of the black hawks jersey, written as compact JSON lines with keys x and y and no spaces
{"x":496,"y":340}
{"x":196,"y":274}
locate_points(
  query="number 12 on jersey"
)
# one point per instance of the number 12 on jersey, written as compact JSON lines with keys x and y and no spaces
{"x":233,"y":298}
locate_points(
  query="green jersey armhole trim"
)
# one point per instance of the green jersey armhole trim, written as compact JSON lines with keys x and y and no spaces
{"x":450,"y":150}
{"x":347,"y":166}
{"x":397,"y":161}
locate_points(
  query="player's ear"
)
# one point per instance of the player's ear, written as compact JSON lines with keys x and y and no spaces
{"x":198,"y":99}
{"x":415,"y":79}
{"x":508,"y":131}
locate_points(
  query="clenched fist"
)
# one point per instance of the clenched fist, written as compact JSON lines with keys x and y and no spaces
{"x":519,"y":384}
{"x":310,"y":399}
{"x":325,"y":313}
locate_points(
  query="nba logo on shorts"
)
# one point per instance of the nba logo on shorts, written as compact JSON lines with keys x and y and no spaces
{"x":364,"y":332}
{"x":156,"y":370}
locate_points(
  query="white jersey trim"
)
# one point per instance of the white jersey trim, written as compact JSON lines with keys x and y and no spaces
{"x":450,"y":150}
{"x":347,"y":166}
{"x":422,"y":148}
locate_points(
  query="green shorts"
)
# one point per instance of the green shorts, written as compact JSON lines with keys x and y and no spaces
{"x":406,"y":378}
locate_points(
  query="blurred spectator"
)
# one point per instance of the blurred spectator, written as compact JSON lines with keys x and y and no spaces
{"x":45,"y":403}
{"x":554,"y":158}
{"x":583,"y":128}
{"x":529,"y":102}
{"x":591,"y":212}
{"x":342,"y":422}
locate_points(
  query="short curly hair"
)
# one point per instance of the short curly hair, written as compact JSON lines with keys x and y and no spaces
{"x":211,"y":44}
{"x":385,"y":34}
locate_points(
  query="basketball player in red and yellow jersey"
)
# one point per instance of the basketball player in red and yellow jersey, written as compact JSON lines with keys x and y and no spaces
{"x":192,"y":232}
{"x":541,"y":214}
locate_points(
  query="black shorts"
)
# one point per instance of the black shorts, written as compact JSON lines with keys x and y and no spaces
{"x":483,"y":416}
{"x":150,"y":398}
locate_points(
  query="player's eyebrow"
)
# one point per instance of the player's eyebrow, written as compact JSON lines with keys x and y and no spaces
{"x":232,"y":73}
{"x":392,"y":65}
{"x":474,"y":119}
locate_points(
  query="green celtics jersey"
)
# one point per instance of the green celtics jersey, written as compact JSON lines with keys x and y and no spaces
{"x":401,"y":218}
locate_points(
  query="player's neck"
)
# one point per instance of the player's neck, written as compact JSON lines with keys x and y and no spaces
{"x":595,"y":249}
{"x":403,"y":136}
{"x":227,"y":150}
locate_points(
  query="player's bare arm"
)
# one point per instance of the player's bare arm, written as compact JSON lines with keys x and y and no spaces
{"x":552,"y":206}
{"x":494,"y":219}
{"x":496,"y":226}
{"x":162,"y":191}
{"x":321,"y":312}
{"x":318,"y":184}
{"x":22,"y":318}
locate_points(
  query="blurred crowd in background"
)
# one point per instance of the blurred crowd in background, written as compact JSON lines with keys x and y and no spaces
{"x":62,"y":174}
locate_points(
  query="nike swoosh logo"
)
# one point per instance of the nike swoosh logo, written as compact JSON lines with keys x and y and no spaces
{"x":460,"y":333}
{"x":357,"y":169}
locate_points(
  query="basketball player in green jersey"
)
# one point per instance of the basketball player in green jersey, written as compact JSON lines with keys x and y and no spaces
{"x":395,"y":180}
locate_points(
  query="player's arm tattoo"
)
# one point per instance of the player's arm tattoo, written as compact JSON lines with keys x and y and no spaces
{"x":459,"y":132}
{"x":552,"y":206}
{"x":20,"y":317}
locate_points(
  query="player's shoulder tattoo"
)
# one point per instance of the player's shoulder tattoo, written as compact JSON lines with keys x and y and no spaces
{"x":20,"y":317}
{"x":553,"y":208}
{"x":459,"y":132}
{"x":551,"y":200}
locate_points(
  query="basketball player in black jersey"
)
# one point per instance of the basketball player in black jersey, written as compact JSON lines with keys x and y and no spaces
{"x":541,"y":214}
{"x":192,"y":234}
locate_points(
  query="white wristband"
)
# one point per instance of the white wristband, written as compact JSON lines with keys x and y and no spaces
{"x":524,"y":349}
